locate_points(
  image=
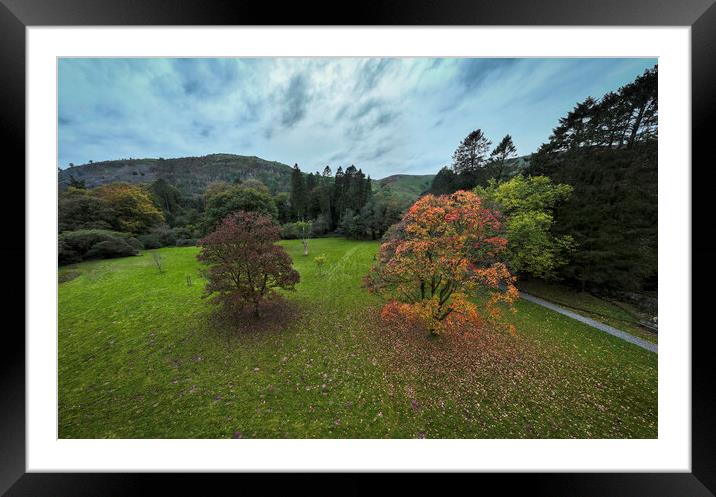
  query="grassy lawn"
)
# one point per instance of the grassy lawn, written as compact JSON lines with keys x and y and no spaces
{"x":140,"y":357}
{"x":620,"y":315}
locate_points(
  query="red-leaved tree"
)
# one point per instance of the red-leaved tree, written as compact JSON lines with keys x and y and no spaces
{"x":443,"y":254}
{"x":245,"y":264}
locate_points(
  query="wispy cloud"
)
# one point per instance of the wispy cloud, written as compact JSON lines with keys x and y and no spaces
{"x":385,"y":115}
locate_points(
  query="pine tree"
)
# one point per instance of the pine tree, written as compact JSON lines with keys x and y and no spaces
{"x":299,"y":195}
{"x":471,"y":154}
{"x":501,"y":154}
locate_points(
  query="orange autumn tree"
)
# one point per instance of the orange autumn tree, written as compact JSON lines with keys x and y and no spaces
{"x":445,"y":251}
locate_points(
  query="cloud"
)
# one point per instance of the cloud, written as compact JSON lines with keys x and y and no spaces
{"x":474,"y":72}
{"x":295,"y":101}
{"x":385,"y":115}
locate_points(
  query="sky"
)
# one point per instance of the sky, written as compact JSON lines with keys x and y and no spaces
{"x":383,"y":115}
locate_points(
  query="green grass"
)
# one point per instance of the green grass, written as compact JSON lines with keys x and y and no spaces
{"x":139,"y":358}
{"x":620,"y":315}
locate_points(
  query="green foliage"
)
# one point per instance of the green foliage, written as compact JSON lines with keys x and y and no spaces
{"x":299,"y":195}
{"x":471,"y":155}
{"x":186,"y":242}
{"x":111,"y":248}
{"x":135,"y":243}
{"x":80,"y":209}
{"x":234,"y":199}
{"x":167,"y":198}
{"x":528,"y":204}
{"x":504,"y":151}
{"x":160,"y":236}
{"x":474,"y":165}
{"x":254,"y":184}
{"x":75,"y":246}
{"x":612,"y":216}
{"x":320,"y":262}
{"x":607,"y":151}
{"x":134,"y":211}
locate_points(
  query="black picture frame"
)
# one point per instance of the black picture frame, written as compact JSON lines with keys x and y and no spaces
{"x":16,"y":15}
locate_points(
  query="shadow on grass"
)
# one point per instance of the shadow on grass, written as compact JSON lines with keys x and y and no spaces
{"x":275,"y":316}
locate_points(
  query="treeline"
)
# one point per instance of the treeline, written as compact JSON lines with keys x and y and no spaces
{"x":119,"y":219}
{"x":344,"y":203}
{"x":607,"y":150}
{"x":474,"y":164}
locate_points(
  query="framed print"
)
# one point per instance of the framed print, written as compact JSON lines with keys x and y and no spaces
{"x":438,"y":240}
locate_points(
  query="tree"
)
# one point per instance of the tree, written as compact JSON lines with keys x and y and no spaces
{"x":529,"y":204}
{"x":235,"y":199}
{"x":607,"y":151}
{"x":444,"y":182}
{"x":133,"y":207}
{"x":432,"y":263}
{"x":504,"y":151}
{"x":304,"y":232}
{"x":215,"y":187}
{"x":79,"y":209}
{"x":167,"y":198}
{"x":254,"y":184}
{"x":244,"y":263}
{"x":77,"y":183}
{"x":471,"y":154}
{"x":299,"y":197}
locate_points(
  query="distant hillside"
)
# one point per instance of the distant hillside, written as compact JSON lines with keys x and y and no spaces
{"x":406,"y":186}
{"x":189,"y":174}
{"x":192,"y":174}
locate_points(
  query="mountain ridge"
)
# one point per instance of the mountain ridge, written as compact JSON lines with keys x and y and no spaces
{"x":191,"y":174}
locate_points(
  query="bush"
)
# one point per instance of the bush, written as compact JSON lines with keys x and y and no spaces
{"x":65,"y":253}
{"x":75,"y":246}
{"x":166,"y":236}
{"x":150,"y":241}
{"x":289,"y":231}
{"x":134,"y":243}
{"x":111,"y":248}
{"x":185,"y":232}
{"x":158,"y":238}
{"x":83,"y":240}
{"x":186,"y":242}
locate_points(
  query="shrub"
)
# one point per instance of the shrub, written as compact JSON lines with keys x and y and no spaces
{"x":65,"y":253}
{"x":186,"y":242}
{"x":150,"y":241}
{"x":289,"y":231}
{"x":75,"y":246}
{"x":133,"y":242}
{"x":167,"y":237}
{"x":111,"y":248}
{"x":161,"y":236}
{"x":320,"y":261}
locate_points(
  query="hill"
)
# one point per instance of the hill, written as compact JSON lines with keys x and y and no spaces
{"x":189,"y":174}
{"x":405,"y":186}
{"x":192,"y":174}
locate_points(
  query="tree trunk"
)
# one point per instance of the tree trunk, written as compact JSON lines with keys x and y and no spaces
{"x":256,"y":309}
{"x":305,"y":247}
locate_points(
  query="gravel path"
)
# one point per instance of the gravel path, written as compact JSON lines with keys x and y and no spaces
{"x":591,"y":322}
